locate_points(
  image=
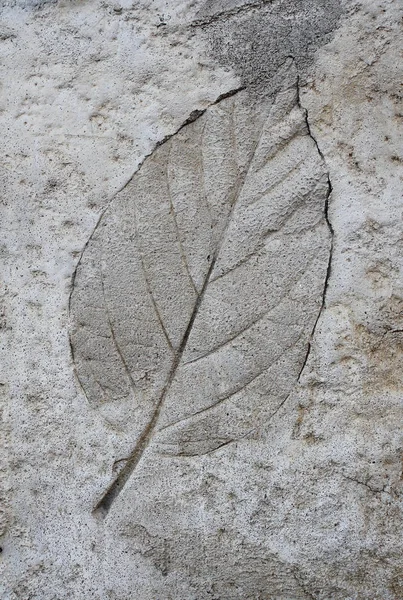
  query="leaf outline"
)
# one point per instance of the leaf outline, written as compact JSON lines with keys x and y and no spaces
{"x":103,"y":506}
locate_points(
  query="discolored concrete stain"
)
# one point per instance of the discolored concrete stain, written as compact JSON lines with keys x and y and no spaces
{"x":254,"y":39}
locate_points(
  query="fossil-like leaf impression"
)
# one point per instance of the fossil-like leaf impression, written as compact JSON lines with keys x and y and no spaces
{"x":196,"y":296}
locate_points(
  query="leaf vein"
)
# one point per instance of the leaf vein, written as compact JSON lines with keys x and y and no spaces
{"x":233,"y":392}
{"x":175,"y":222}
{"x":148,"y":285}
{"x":114,"y":339}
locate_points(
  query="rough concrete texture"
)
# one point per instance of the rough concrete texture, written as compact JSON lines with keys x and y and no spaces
{"x":201,"y":315}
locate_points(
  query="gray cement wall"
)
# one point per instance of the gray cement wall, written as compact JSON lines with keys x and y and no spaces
{"x":201,"y":307}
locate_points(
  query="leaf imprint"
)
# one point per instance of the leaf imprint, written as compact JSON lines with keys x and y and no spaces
{"x":196,"y":296}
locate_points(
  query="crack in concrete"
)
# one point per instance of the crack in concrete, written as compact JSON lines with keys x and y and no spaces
{"x":366,"y":484}
{"x":328,"y":222}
